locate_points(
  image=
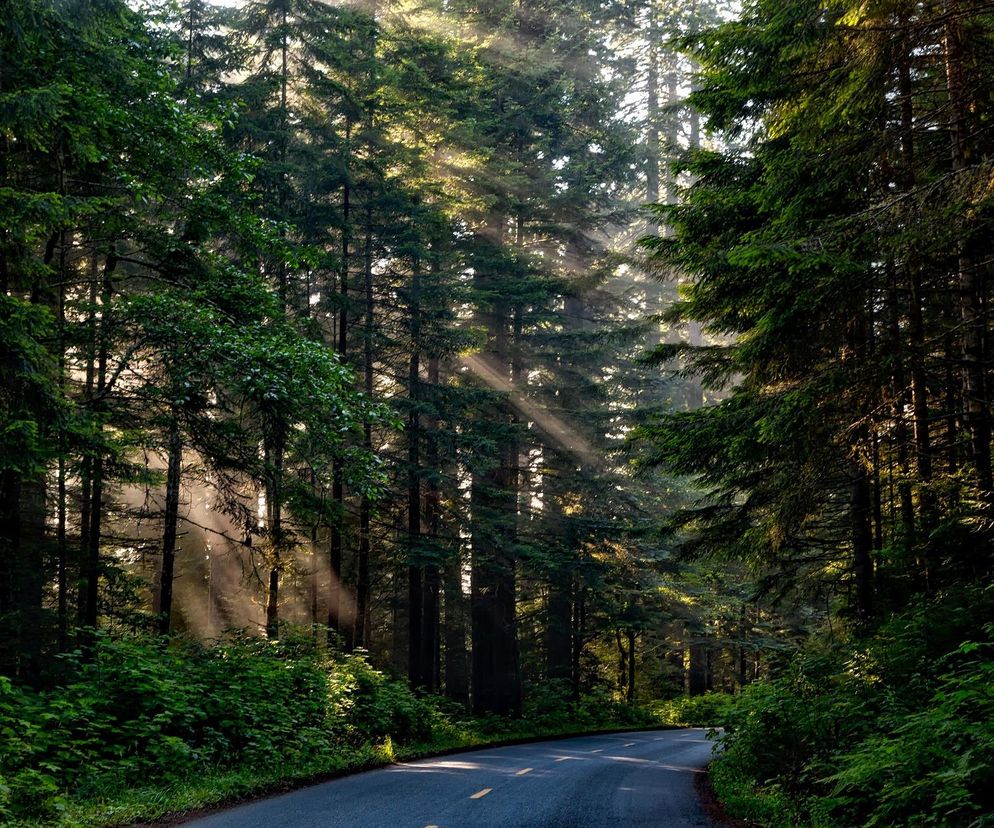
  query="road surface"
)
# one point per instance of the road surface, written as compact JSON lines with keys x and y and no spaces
{"x":644,"y":778}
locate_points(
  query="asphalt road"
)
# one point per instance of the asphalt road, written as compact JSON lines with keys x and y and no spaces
{"x":644,"y":778}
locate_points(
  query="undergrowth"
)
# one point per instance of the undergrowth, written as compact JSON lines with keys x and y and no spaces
{"x":893,"y":728}
{"x":139,"y":727}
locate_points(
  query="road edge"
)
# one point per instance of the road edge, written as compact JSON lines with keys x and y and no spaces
{"x":712,"y":805}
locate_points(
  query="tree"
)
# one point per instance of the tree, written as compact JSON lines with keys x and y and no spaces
{"x":822,"y":218}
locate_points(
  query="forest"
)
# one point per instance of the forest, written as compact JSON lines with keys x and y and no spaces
{"x":381,"y":378}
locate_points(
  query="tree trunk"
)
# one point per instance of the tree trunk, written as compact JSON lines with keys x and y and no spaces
{"x":335,"y":621}
{"x":652,"y":150}
{"x":898,"y":405}
{"x":672,"y":135}
{"x":62,"y":505}
{"x":174,"y":467}
{"x":430,"y":650}
{"x":415,"y":586}
{"x":494,"y":502}
{"x":365,"y":504}
{"x":91,"y":566}
{"x":456,"y":655}
{"x":313,"y":578}
{"x":492,"y":591}
{"x":630,"y":697}
{"x":862,"y":541}
{"x":622,"y":661}
{"x":274,"y":501}
{"x":86,"y":466}
{"x":916,"y":324}
{"x":878,"y":499}
{"x":976,"y":409}
{"x":335,"y":586}
{"x":559,"y":604}
{"x":860,"y":503}
{"x":559,"y":629}
{"x":697,"y":678}
{"x":455,"y":602}
{"x":23,"y":509}
{"x":579,"y":635}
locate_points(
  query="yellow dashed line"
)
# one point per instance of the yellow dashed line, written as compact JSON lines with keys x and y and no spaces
{"x":481,"y":794}
{"x":523,"y":772}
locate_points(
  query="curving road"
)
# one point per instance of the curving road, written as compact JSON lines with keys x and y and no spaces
{"x":644,"y":778}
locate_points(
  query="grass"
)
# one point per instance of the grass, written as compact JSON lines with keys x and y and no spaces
{"x":743,"y":800}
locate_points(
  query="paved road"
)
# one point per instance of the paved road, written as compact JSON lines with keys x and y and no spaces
{"x":645,"y":778}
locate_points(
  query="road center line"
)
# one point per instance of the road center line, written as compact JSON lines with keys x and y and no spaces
{"x":599,"y":750}
{"x":523,"y":772}
{"x":481,"y":794}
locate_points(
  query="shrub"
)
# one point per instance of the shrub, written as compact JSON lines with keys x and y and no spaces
{"x":934,"y":765}
{"x":879,"y":731}
{"x":140,"y":709}
{"x":368,"y":706}
{"x":550,"y":706}
{"x":159,"y":716}
{"x":709,"y":710}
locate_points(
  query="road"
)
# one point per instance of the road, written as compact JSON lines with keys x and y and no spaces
{"x":644,"y":778}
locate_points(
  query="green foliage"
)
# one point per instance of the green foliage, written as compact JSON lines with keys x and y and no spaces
{"x":830,"y":246}
{"x":30,"y":402}
{"x":934,"y":765}
{"x":143,"y":708}
{"x":742,"y":798}
{"x":880,"y":731}
{"x":708,"y":710}
{"x":551,"y":706}
{"x":370,"y":706}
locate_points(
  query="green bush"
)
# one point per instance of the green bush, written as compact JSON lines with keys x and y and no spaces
{"x":141,"y":709}
{"x":879,"y":731}
{"x":741,"y":796}
{"x":934,"y":766}
{"x":550,"y":706}
{"x":368,"y":706}
{"x":138,"y":723}
{"x":708,"y":710}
